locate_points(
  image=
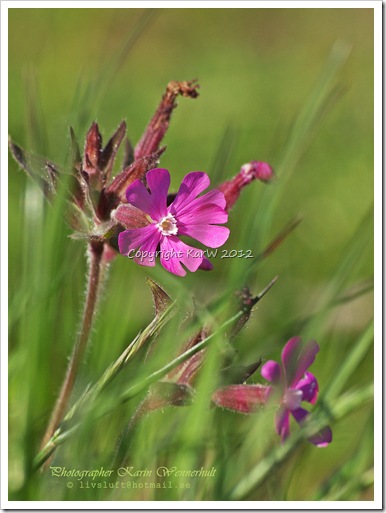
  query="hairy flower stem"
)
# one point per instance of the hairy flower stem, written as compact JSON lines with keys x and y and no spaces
{"x":95,"y":250}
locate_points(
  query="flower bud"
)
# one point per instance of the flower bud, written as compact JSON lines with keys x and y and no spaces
{"x":256,"y":169}
{"x":241,"y":398}
{"x":130,"y":217}
{"x":92,"y":151}
{"x":248,"y":172}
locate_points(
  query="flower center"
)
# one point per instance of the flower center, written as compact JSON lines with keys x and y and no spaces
{"x":292,"y":399}
{"x":168,"y":225}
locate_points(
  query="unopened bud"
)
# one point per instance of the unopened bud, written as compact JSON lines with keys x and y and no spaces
{"x":256,"y":169}
{"x":241,"y":398}
{"x":130,"y":217}
{"x":248,"y":172}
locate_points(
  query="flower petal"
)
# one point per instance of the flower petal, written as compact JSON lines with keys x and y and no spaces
{"x":158,"y":181}
{"x":241,"y":398}
{"x":174,"y":252}
{"x":322,"y":438}
{"x":282,"y":423}
{"x":212,"y":197}
{"x":271,"y":371}
{"x":296,"y":358}
{"x":211,"y":235}
{"x":172,"y":265}
{"x":139,"y":196}
{"x":191,"y":186}
{"x":134,"y":238}
{"x":209,"y":213}
{"x":145,"y":239}
{"x":206,"y":264}
{"x":309,"y":387}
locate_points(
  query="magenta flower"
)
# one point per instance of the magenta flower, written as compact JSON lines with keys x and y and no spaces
{"x":161,"y":225}
{"x":295,"y":385}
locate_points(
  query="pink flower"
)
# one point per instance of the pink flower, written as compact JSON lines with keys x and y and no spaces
{"x":161,"y":224}
{"x":291,"y":384}
{"x":295,"y":385}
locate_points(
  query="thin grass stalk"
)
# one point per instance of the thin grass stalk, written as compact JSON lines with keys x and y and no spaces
{"x":350,"y":364}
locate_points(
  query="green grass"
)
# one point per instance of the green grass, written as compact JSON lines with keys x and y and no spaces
{"x":290,"y":86}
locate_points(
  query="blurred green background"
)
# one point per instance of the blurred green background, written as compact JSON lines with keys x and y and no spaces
{"x":269,"y":90}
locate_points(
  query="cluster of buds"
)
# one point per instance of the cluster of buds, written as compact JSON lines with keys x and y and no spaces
{"x":103,"y":206}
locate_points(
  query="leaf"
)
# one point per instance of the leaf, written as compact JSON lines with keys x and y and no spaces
{"x":275,"y":243}
{"x":160,"y":299}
